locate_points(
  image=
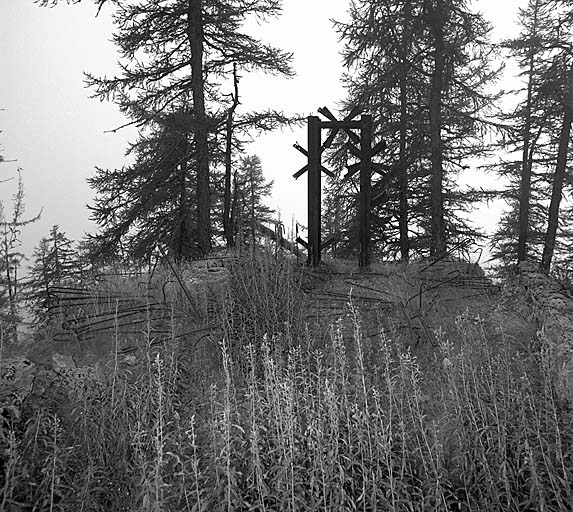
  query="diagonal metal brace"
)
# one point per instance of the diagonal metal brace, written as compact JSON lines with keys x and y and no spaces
{"x":329,"y":115}
{"x":299,"y":173}
{"x":380,"y":187}
{"x":302,"y":242}
{"x":329,"y":140}
{"x":329,"y":241}
{"x":379,"y":168}
{"x":354,"y":151}
{"x":381,"y":146}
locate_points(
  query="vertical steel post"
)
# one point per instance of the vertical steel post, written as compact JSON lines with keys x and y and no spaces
{"x":365,"y":192}
{"x":314,"y":235}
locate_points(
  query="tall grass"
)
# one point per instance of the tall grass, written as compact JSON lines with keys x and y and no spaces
{"x":264,"y":299}
{"x":284,"y":425}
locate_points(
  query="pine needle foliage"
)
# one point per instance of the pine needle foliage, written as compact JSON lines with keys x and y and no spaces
{"x":181,"y":62}
{"x":431,"y":102}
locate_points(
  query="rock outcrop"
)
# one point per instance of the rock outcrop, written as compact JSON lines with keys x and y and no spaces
{"x":23,"y":380}
{"x":553,"y":310}
{"x":16,"y":380}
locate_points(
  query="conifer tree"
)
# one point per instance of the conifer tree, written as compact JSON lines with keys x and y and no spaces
{"x":421,"y":67}
{"x":54,"y":263}
{"x":537,"y":143}
{"x":563,"y":155}
{"x":150,"y":202}
{"x":251,"y":189}
{"x":11,"y":258}
{"x":534,"y":21}
{"x":178,"y":61}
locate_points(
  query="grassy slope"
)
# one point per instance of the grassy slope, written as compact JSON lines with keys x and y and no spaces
{"x":404,"y":389}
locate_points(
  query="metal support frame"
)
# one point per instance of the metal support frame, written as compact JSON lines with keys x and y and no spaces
{"x":361,"y":147}
{"x":365,"y":192}
{"x":314,"y":192}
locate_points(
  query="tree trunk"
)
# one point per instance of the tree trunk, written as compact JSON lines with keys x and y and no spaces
{"x":11,"y":282}
{"x":182,"y":231}
{"x":57,"y":266}
{"x":560,"y":170}
{"x":252,"y":206}
{"x":195,"y":36}
{"x":438,"y":232}
{"x":227,"y":221}
{"x":403,"y":176}
{"x":527,"y":155}
{"x":233,"y":212}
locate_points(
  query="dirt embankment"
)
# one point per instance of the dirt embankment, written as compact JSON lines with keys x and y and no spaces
{"x":418,"y":302}
{"x":553,"y":311}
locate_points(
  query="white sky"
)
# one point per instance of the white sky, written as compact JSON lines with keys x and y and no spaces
{"x":57,"y":133}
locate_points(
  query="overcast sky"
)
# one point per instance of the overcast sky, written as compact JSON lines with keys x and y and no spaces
{"x":57,"y":134}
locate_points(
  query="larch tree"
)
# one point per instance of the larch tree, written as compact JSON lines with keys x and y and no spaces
{"x":54,"y":263}
{"x":537,"y":144}
{"x":196,"y":36}
{"x":250,"y":191}
{"x":178,"y":59}
{"x":460,"y":109}
{"x":423,"y":69}
{"x":150,"y":202}
{"x":11,"y":259}
{"x":437,"y":14}
{"x":565,"y":70}
{"x":383,"y":77}
{"x":529,"y":48}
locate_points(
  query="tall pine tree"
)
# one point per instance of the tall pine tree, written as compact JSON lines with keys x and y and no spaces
{"x":179,"y":58}
{"x":537,"y":145}
{"x":11,"y":259}
{"x":54,"y":263}
{"x":250,"y":190}
{"x":422,"y":68}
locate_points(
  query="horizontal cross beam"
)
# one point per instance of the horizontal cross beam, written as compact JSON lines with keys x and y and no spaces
{"x":345,"y":125}
{"x":334,"y":123}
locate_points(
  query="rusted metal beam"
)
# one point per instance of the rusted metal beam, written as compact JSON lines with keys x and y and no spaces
{"x":379,"y":168}
{"x":314,"y":170}
{"x":329,"y":140}
{"x":380,"y":146}
{"x":329,"y":115}
{"x":328,"y":242}
{"x":354,"y":151}
{"x":299,"y":173}
{"x":314,"y":192}
{"x":344,"y":125}
{"x":302,"y":242}
{"x":365,"y":192}
{"x":298,"y":147}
